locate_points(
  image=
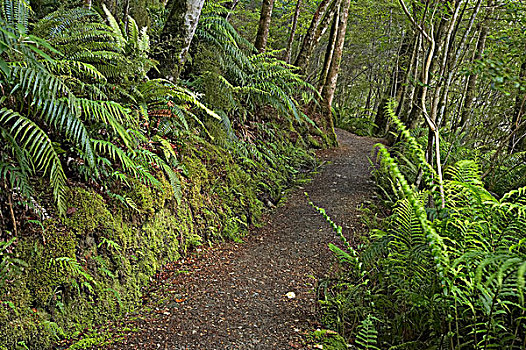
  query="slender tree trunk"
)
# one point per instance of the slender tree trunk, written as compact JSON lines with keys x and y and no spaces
{"x":414,"y":112}
{"x":472,"y":80}
{"x":412,"y":118}
{"x":177,"y":35}
{"x":312,"y":36}
{"x":264,"y":25}
{"x":126,"y":14}
{"x":329,"y":53}
{"x":368,"y":101}
{"x":231,"y":10}
{"x":11,"y":211}
{"x":452,"y":64}
{"x":409,"y":89}
{"x":325,"y":24}
{"x":293,"y":31}
{"x":332,"y":75}
{"x":408,"y":74}
{"x":445,"y":39}
{"x":396,"y":87}
{"x":518,"y":113}
{"x":434,"y":134}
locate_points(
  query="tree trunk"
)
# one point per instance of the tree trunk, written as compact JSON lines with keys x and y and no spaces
{"x":312,"y":36}
{"x":177,"y":35}
{"x":293,"y":31}
{"x":125,"y":15}
{"x":409,"y":89}
{"x":434,"y":135}
{"x":332,"y":76}
{"x":396,"y":87}
{"x":329,"y":53}
{"x":368,"y":101}
{"x":453,"y":63}
{"x":472,"y":80}
{"x":233,"y":6}
{"x":444,"y":40}
{"x":518,"y":113}
{"x":264,"y":25}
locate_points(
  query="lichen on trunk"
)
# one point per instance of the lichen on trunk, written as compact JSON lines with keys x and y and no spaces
{"x":177,"y":35}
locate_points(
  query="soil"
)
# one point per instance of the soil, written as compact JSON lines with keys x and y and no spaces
{"x":236,"y":295}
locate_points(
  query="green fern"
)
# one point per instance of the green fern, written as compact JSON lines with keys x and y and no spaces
{"x":366,"y":338}
{"x":249,"y":80}
{"x":10,"y":265}
{"x":453,"y":277}
{"x":33,"y":140}
{"x":67,"y":106}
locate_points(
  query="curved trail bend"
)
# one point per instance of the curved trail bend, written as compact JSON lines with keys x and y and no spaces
{"x":235,"y":296}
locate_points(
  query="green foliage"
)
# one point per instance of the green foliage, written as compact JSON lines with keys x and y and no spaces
{"x":10,"y":265}
{"x":367,"y":334}
{"x":90,"y":266}
{"x":328,"y":340}
{"x":139,"y":170}
{"x":64,"y":102}
{"x":246,"y":81}
{"x":344,"y":118}
{"x":437,"y":278}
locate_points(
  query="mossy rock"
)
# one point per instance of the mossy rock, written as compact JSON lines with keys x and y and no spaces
{"x":45,"y":274}
{"x":329,"y":340}
{"x":89,"y":211}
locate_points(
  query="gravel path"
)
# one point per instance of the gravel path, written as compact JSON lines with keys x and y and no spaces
{"x":234,"y":296}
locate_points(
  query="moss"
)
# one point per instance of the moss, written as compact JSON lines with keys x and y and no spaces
{"x":90,"y":342}
{"x":329,"y":340}
{"x":315,"y":142}
{"x":113,"y":251}
{"x":89,"y":211}
{"x":45,"y":274}
{"x":162,"y":232}
{"x":231,"y":203}
{"x":143,"y":197}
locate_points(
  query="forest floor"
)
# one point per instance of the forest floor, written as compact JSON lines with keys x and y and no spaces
{"x":236,"y":295}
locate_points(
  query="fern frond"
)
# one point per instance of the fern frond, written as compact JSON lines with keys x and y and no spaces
{"x":110,"y":113}
{"x":61,"y":21}
{"x":148,"y":157}
{"x":15,"y":14}
{"x":114,"y":26}
{"x":366,"y":339}
{"x":129,"y":163}
{"x":38,"y":144}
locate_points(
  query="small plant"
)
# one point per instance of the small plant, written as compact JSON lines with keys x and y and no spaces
{"x":10,"y":266}
{"x":76,"y":273}
{"x":366,"y":338}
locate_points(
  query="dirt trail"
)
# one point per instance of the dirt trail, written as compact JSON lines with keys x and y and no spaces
{"x":234,"y":296}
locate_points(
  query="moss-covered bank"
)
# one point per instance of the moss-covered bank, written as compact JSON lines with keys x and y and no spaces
{"x":90,"y":266}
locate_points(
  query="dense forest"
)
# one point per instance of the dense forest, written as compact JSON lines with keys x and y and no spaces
{"x":134,"y":131}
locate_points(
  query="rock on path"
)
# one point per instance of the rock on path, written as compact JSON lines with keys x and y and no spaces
{"x":259,"y":294}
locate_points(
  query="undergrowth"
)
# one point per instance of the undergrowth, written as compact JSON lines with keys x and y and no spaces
{"x":433,"y":277}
